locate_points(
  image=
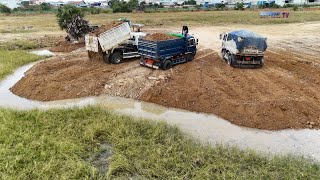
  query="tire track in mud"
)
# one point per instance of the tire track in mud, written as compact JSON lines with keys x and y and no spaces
{"x":274,"y":97}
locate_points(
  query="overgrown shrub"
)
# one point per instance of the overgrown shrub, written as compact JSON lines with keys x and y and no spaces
{"x":190,"y":2}
{"x":239,"y":6}
{"x":273,"y":5}
{"x":107,"y":11}
{"x":78,"y":27}
{"x":4,"y":9}
{"x":66,"y":14}
{"x":45,"y":7}
{"x":95,"y":10}
{"x":220,"y":6}
{"x":122,"y":6}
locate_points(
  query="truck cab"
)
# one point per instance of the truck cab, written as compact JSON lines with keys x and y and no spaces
{"x":129,"y":48}
{"x":243,"y":48}
{"x":192,"y":45}
{"x":116,"y":44}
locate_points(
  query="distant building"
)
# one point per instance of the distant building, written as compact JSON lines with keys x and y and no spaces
{"x":38,"y":1}
{"x":297,"y":2}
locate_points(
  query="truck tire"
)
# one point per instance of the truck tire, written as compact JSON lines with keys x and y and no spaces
{"x":190,"y":57}
{"x":116,"y":58}
{"x":223,"y":53}
{"x":231,"y":60}
{"x":105,"y":58}
{"x":167,"y":65}
{"x":90,"y":54}
{"x":261,"y":63}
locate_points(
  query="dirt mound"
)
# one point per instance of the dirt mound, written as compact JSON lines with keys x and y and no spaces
{"x":105,"y":28}
{"x":74,"y":75}
{"x":64,"y":46}
{"x":159,"y":37}
{"x":278,"y":96}
{"x":96,"y":56}
{"x":283,"y":94}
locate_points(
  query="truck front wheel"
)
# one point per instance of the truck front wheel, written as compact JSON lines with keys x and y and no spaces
{"x":190,"y":57}
{"x":223,"y":53}
{"x":231,"y":60}
{"x":167,"y":65}
{"x":261,"y":63}
{"x":116,"y":58}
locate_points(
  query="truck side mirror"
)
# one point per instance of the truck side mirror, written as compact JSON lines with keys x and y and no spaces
{"x":197,"y":41}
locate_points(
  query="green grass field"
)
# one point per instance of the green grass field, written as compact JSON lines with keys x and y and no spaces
{"x":48,"y":22}
{"x":10,"y":60}
{"x":68,"y":143}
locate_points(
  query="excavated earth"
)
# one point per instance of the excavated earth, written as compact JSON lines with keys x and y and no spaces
{"x":283,"y":94}
{"x":159,"y":37}
{"x":75,"y":75}
{"x":64,"y":46}
{"x":105,"y":28}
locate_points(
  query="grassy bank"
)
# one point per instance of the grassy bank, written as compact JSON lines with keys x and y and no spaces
{"x":67,"y":144}
{"x":10,"y":60}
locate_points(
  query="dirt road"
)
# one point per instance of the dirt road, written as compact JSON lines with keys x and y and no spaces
{"x":283,"y":94}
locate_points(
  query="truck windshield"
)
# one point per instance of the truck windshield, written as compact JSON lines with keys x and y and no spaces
{"x":191,"y":42}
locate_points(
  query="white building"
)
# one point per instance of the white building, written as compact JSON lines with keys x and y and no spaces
{"x":297,"y":2}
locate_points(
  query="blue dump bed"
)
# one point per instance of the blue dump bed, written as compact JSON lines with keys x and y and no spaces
{"x":249,"y":39}
{"x":158,"y":50}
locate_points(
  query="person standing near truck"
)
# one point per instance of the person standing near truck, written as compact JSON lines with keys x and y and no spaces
{"x":185,"y":30}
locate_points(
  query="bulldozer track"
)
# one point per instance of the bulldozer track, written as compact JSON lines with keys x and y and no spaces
{"x":205,"y":55}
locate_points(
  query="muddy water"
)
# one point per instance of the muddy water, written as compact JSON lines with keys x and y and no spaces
{"x":207,"y":128}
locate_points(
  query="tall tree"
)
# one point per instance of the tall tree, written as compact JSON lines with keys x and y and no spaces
{"x":78,"y":27}
{"x":4,"y":9}
{"x":66,"y":14}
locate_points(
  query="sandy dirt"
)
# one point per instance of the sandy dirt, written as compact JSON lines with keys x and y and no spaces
{"x":64,"y":46}
{"x":159,"y":37}
{"x":74,"y":75}
{"x":283,"y":94}
{"x":105,"y":28}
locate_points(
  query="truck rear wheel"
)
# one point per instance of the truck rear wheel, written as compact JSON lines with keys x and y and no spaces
{"x":167,"y":65}
{"x":116,"y":58}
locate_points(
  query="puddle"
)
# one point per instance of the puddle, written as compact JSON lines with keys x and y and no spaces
{"x":208,"y":128}
{"x":100,"y":159}
{"x":44,"y":52}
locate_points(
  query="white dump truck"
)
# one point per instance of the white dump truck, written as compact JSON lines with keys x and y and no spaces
{"x":117,"y":43}
{"x":243,"y":48}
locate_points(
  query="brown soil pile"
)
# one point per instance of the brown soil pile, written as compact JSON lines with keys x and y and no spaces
{"x":47,"y":41}
{"x":159,"y":37}
{"x":105,"y":28}
{"x":96,"y":56}
{"x":74,"y":76}
{"x":283,"y":94}
{"x":64,"y":46}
